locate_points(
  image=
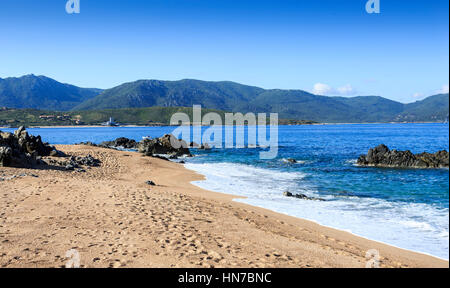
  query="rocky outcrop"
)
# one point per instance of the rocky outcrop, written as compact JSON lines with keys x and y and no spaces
{"x":382,"y":156}
{"x":200,"y":147}
{"x":167,"y":145}
{"x":5,"y":156}
{"x":73,"y":163}
{"x":205,"y":147}
{"x":87,"y":143}
{"x":76,"y":162}
{"x":302,"y":196}
{"x":23,"y":150}
{"x":11,"y":177}
{"x":121,"y":142}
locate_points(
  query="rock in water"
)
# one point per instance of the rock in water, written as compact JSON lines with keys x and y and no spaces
{"x":21,"y":149}
{"x":200,"y":147}
{"x":302,"y":196}
{"x":382,"y":156}
{"x":205,"y":147}
{"x":287,"y":194}
{"x":194,"y":145}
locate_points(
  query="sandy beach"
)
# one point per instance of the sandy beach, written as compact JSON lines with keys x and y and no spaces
{"x":113,"y":218}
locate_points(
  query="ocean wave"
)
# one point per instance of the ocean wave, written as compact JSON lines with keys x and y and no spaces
{"x":414,"y":226}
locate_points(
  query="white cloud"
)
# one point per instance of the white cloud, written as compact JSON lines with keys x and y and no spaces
{"x":418,"y":95}
{"x":321,"y":89}
{"x":346,"y":90}
{"x":444,"y":89}
{"x":327,"y":90}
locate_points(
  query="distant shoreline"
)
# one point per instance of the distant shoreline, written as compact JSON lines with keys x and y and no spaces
{"x":167,"y":125}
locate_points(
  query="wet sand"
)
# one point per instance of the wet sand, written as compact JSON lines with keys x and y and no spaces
{"x":114,"y":219}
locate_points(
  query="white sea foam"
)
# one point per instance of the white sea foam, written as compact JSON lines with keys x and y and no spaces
{"x":414,"y":226}
{"x":284,"y":160}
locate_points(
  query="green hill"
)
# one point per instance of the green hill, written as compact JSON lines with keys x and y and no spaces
{"x":290,"y":104}
{"x":433,"y":108}
{"x":185,"y":93}
{"x":41,"y":92}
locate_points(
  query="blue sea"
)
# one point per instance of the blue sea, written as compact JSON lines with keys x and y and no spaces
{"x":407,"y":208}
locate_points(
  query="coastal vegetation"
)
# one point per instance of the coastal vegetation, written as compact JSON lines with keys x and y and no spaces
{"x":150,"y":116}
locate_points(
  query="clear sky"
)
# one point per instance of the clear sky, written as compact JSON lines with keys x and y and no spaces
{"x":330,"y":47}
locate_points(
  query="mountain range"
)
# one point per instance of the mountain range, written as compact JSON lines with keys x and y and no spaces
{"x":40,"y":92}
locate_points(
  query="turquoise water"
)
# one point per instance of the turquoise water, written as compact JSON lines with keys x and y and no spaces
{"x":408,"y":208}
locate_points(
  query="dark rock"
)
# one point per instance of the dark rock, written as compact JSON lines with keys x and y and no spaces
{"x":17,"y":176}
{"x":287,"y":194}
{"x":168,"y":145}
{"x":382,"y":156}
{"x":69,"y":167}
{"x":121,"y":142}
{"x":160,"y":157}
{"x":75,"y":163}
{"x":194,"y":145}
{"x":302,"y":196}
{"x":56,"y":153}
{"x":125,"y":143}
{"x":84,"y":161}
{"x":205,"y":147}
{"x":5,"y":156}
{"x":88,"y":143}
{"x":182,"y":162}
{"x":23,"y":150}
{"x":151,"y":183}
{"x":291,"y":160}
{"x":198,"y":146}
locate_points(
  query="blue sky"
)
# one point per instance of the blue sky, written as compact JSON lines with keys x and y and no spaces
{"x":330,"y":47}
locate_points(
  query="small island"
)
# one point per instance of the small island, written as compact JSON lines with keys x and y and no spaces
{"x":382,"y":156}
